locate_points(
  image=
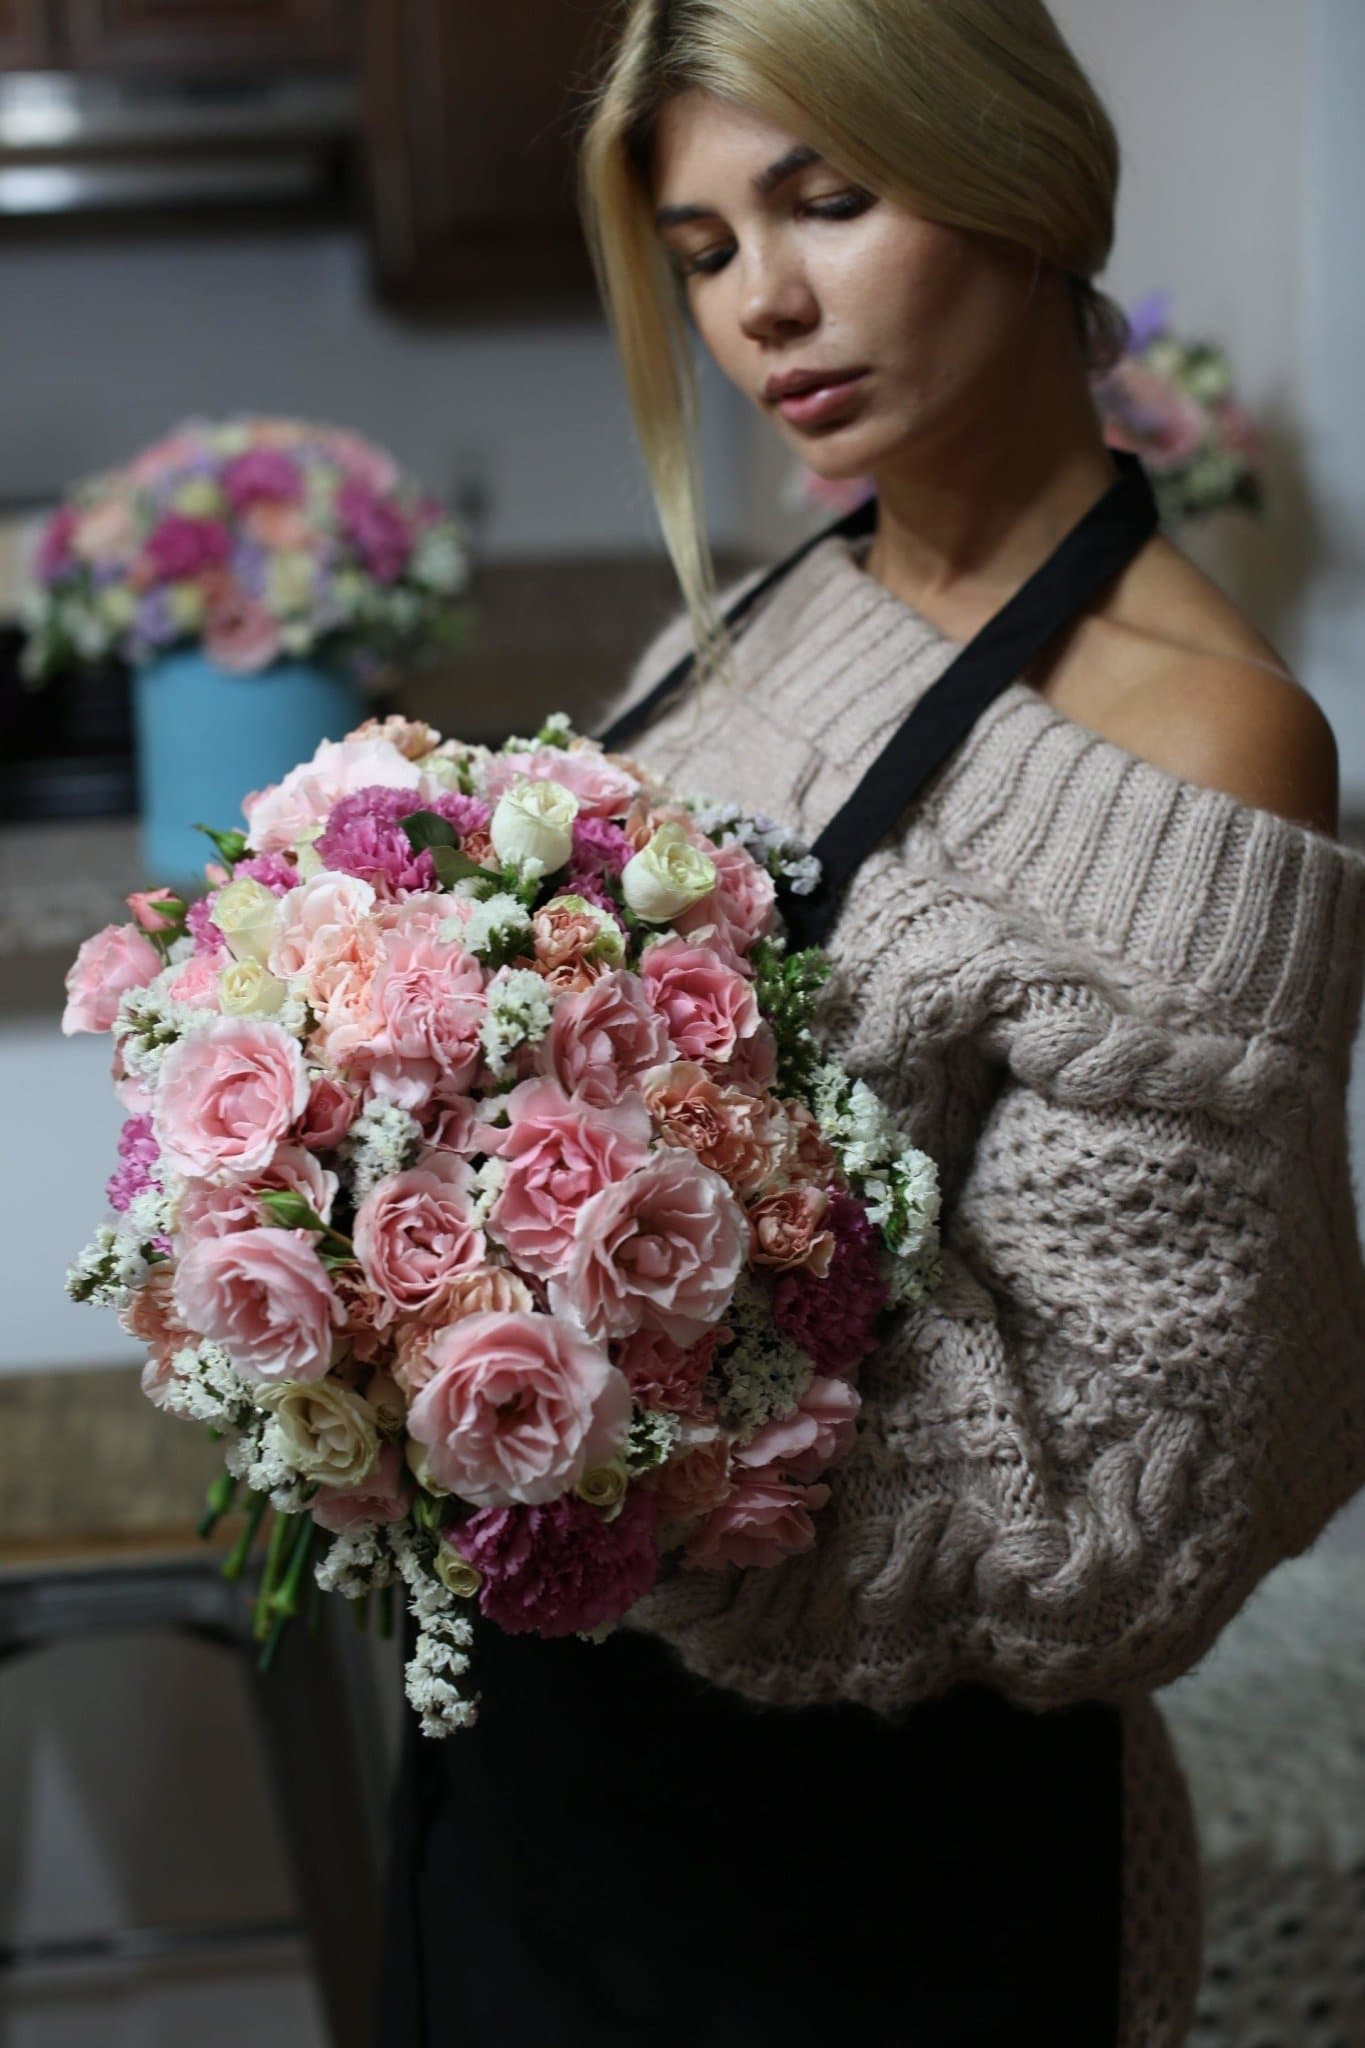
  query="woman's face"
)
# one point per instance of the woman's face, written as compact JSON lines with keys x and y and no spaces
{"x":809,"y":271}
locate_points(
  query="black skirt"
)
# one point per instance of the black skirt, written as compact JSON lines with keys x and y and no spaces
{"x":620,"y":1854}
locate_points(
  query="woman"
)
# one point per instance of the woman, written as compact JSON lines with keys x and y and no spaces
{"x":1106,"y":966}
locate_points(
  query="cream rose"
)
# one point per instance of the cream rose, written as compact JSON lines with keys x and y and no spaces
{"x":332,"y":1433}
{"x":533,"y":823}
{"x":667,"y":876}
{"x":246,"y":989}
{"x":248,"y":916}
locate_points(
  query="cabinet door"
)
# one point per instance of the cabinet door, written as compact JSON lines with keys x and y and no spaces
{"x":207,"y":36}
{"x":469,"y":124}
{"x":26,"y":39}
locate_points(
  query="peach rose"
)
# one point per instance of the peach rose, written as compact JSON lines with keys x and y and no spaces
{"x":151,"y":1317}
{"x":563,"y":940}
{"x":227,"y":1096}
{"x":786,"y":1228}
{"x":805,"y":1444}
{"x":693,"y":1483}
{"x":117,"y":958}
{"x":601,"y":1038}
{"x":265,"y":1297}
{"x":317,"y":923}
{"x":414,"y":1232}
{"x":706,"y":1005}
{"x":517,"y":1409}
{"x":764,"y":1520}
{"x":659,"y":1250}
{"x":412,"y":737}
{"x":478,"y":1292}
{"x":559,"y":1153}
{"x":196,"y":985}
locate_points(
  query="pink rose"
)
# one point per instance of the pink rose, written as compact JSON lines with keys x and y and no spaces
{"x":317,"y":923}
{"x":453,"y":1126}
{"x":330,"y":1111}
{"x":150,"y":1316}
{"x":741,"y":905}
{"x":753,"y":1063}
{"x":559,"y":1154}
{"x":117,"y":958}
{"x":600,"y":1039}
{"x":281,"y":813}
{"x":383,"y":1497}
{"x":763,"y":1521}
{"x":196,"y":985}
{"x":706,"y":1005}
{"x":149,"y":908}
{"x":808,"y":1442}
{"x":213,"y":1208}
{"x":264,"y":1296}
{"x":603,"y":791}
{"x":414,"y":1233}
{"x":660,"y":1250}
{"x":227,"y":1096}
{"x":518,"y":1408}
{"x":473,"y":1293}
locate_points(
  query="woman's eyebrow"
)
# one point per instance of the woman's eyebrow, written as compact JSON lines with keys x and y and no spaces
{"x":786,"y":166}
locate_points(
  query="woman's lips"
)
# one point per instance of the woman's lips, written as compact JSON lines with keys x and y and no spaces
{"x":808,"y":408}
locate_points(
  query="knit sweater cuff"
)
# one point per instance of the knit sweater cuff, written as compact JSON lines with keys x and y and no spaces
{"x":1263,"y":916}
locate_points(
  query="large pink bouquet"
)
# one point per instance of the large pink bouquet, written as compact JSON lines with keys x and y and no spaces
{"x":484,"y":1188}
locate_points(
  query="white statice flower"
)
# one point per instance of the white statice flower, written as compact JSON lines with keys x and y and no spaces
{"x":439,"y":562}
{"x":494,"y":925}
{"x":263,"y":1457}
{"x":205,"y":1386}
{"x":295,"y":1014}
{"x":655,"y":1434}
{"x":150,"y":1215}
{"x":358,"y":1561}
{"x":182,"y":949}
{"x":486,"y":1185}
{"x":897,"y":1181}
{"x":786,"y":857}
{"x":440,"y":1657}
{"x":110,"y":1267}
{"x":518,"y":1013}
{"x":150,"y":1021}
{"x":383,"y":1140}
{"x":762,"y":1376}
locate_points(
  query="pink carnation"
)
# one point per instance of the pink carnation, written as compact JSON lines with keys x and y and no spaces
{"x":602,"y":1038}
{"x":555,"y":1569}
{"x":365,"y":835}
{"x":518,"y":1408}
{"x":264,"y":1296}
{"x":117,"y":958}
{"x":420,"y":1031}
{"x":664,"y":1375}
{"x":834,"y":1320}
{"x":659,"y":1250}
{"x":742,"y":904}
{"x":227,"y":1096}
{"x":764,"y":1520}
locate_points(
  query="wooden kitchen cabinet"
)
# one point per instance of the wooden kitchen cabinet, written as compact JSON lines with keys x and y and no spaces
{"x":469,"y":115}
{"x":27,"y":42}
{"x":207,"y":37}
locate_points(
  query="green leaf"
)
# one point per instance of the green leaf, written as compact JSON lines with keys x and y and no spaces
{"x":429,"y":828}
{"x":231,"y":845}
{"x":452,"y":866}
{"x":289,"y":1211}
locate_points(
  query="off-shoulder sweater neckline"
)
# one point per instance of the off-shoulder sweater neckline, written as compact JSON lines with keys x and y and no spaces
{"x":1264,"y":916}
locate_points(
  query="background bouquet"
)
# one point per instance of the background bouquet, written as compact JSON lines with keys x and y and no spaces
{"x":484,"y":1186}
{"x":257,"y":539}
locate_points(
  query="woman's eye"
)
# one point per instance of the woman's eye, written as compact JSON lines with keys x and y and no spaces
{"x":846,"y":206}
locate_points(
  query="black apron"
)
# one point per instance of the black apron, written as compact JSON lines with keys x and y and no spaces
{"x":620,"y":1855}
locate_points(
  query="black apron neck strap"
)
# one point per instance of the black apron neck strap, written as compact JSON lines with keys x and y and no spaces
{"x":862,"y":519}
{"x":1102,"y":542}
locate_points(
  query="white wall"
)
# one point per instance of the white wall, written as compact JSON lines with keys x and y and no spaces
{"x":103,"y":347}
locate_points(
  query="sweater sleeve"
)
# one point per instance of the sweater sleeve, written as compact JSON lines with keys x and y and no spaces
{"x":1141,"y":1381}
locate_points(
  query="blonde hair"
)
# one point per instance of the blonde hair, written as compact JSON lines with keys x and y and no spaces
{"x":972,"y":112}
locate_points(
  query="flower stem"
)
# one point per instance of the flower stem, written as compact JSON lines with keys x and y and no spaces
{"x":218,"y":1500}
{"x":274,"y":1558}
{"x":232,"y":1564}
{"x":284,"y":1600}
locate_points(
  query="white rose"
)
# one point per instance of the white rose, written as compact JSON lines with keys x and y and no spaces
{"x":247,"y":914}
{"x":246,"y":989}
{"x":456,"y":1574}
{"x":330,"y":1430}
{"x":533,"y":822}
{"x":667,"y":876}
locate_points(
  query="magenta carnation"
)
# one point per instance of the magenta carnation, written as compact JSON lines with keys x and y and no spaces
{"x":55,"y":557}
{"x":364,"y":835}
{"x":376,"y":529}
{"x":833,"y":1320}
{"x":178,"y":546}
{"x":201,"y":927}
{"x":138,"y":1153}
{"x":271,"y":870}
{"x":587,"y":883}
{"x":599,"y":846}
{"x":261,"y":474}
{"x":560,"y":1567}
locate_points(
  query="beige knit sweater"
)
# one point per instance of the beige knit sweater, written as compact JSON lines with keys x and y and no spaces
{"x":1118,"y":1010}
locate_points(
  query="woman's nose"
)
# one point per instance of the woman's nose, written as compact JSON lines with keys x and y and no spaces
{"x":776,"y":298}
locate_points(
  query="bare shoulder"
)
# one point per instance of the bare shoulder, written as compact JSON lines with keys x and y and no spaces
{"x":1176,"y":673}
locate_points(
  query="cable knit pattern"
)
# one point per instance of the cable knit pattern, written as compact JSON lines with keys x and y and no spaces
{"x":1118,"y":1009}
